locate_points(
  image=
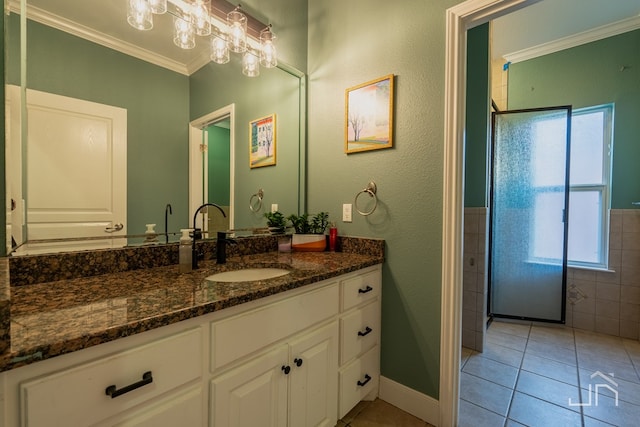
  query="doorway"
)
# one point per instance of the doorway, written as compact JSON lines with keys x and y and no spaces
{"x":211,"y":166}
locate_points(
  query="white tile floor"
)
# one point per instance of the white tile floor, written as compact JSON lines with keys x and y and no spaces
{"x":547,"y":375}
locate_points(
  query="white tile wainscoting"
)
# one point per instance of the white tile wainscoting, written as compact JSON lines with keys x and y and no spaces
{"x":600,"y":301}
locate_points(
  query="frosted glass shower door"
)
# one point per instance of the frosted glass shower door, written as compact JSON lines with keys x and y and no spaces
{"x":529,"y":206}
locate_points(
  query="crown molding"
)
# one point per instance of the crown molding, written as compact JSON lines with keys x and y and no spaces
{"x":584,"y":37}
{"x":39,"y":15}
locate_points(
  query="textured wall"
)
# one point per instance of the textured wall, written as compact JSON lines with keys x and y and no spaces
{"x":351,"y":43}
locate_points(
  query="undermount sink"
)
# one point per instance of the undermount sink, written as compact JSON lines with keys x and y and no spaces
{"x":248,"y":275}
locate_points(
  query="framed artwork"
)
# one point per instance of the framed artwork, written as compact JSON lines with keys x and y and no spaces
{"x":262,"y":142}
{"x":369,"y":116}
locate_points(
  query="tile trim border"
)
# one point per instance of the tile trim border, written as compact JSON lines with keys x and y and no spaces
{"x":409,"y":400}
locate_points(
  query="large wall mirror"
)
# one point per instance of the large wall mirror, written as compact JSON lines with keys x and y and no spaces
{"x":80,"y":80}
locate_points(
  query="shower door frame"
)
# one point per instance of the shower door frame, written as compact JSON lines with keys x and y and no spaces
{"x":490,"y":314}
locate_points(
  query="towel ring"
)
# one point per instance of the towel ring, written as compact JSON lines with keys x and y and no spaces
{"x":258,"y":205}
{"x":371,"y":190}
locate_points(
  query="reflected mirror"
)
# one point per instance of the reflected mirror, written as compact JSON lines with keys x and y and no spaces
{"x":99,"y":111}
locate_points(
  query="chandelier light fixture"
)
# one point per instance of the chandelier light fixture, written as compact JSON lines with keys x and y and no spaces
{"x":229,"y":28}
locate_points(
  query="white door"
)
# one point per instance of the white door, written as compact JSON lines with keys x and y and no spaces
{"x":76,"y":172}
{"x":252,"y":395}
{"x":314,"y":378}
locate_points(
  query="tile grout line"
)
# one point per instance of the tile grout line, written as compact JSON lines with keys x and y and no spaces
{"x":515,"y":385}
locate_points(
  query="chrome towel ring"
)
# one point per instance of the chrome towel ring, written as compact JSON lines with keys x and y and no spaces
{"x":255,"y":201}
{"x":371,"y":190}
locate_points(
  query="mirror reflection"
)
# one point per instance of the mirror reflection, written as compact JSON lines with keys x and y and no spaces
{"x":100,"y":112}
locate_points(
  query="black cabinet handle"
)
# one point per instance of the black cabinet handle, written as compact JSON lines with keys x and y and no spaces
{"x":367,"y":378}
{"x":112,"y":391}
{"x":366,"y":332}
{"x":298,"y":362}
{"x":365,"y":290}
{"x":286,"y":369}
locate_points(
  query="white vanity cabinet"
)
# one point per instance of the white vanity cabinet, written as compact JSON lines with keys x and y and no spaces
{"x":286,"y":372}
{"x":303,"y":357}
{"x":359,"y":338}
{"x":154,"y":383}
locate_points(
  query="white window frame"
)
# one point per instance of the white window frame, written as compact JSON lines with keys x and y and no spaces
{"x":604,"y":188}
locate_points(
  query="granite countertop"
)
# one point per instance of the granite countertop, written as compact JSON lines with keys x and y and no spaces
{"x":53,"y":318}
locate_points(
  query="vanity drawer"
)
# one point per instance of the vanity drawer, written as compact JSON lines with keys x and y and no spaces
{"x":360,"y":289}
{"x":358,"y":379}
{"x":359,"y":331}
{"x":77,"y":396}
{"x":245,"y":333}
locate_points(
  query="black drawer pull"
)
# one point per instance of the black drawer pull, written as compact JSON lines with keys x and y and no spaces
{"x":367,"y":378}
{"x":298,"y":362}
{"x":286,"y":369}
{"x":114,"y":392}
{"x":365,"y":290}
{"x":366,"y":332}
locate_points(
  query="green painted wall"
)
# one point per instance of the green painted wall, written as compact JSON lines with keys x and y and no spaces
{"x":157,"y":103}
{"x":351,"y":42}
{"x":218,"y":152}
{"x":273,"y":92}
{"x":591,"y":75}
{"x":476,"y":132}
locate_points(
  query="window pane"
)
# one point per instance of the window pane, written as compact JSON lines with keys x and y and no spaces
{"x":587,"y":131}
{"x":548,"y":228}
{"x":584,"y":226}
{"x":549,"y":147}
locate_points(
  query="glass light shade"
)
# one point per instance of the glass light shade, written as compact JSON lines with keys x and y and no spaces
{"x":158,"y":6}
{"x":139,"y":14}
{"x":184,"y":33}
{"x":268,"y":57}
{"x":237,"y":22}
{"x":250,"y":64}
{"x":219,"y":49}
{"x":200,"y":14}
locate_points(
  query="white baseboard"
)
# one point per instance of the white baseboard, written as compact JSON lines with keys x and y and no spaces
{"x":415,"y":403}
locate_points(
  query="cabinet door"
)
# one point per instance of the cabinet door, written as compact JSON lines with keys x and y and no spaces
{"x":314,"y":384}
{"x":252,"y":395}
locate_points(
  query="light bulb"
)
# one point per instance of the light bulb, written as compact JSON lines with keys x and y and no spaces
{"x":200,"y":15}
{"x":139,"y":14}
{"x":250,"y":65}
{"x":158,"y":6}
{"x":183,"y":33}
{"x":219,"y":49}
{"x":237,"y":22}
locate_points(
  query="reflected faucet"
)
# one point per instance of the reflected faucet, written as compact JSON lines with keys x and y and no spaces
{"x":197,"y":234}
{"x":167,"y":211}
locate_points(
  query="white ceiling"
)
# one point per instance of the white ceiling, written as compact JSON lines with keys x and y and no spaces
{"x":104,"y":22}
{"x":551,"y":20}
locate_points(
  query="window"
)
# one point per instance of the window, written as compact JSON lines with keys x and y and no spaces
{"x":590,"y":172}
{"x":589,"y":188}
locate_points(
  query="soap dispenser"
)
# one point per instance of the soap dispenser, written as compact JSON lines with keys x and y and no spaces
{"x":184,"y":253}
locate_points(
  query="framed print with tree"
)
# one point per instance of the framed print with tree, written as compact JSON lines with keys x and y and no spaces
{"x":262,"y":141}
{"x":369,"y":116}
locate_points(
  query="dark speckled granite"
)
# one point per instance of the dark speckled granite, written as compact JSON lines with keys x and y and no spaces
{"x":57,"y":317}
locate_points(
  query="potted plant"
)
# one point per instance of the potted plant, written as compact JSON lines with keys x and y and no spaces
{"x":309,"y":231}
{"x":276,"y":222}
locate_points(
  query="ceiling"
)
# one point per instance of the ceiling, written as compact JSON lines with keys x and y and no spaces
{"x":570,"y":21}
{"x":104,"y":22}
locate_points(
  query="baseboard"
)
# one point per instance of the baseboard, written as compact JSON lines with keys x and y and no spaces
{"x":417,"y":404}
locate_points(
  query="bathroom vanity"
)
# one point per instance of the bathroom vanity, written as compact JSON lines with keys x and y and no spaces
{"x":157,"y":348}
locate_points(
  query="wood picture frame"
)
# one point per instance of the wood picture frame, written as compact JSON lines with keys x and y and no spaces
{"x":262,"y":142}
{"x":369,"y":115}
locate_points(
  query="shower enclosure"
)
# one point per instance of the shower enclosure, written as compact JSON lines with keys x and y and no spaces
{"x":529,"y":204}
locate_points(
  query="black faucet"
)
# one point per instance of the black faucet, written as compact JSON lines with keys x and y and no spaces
{"x":221,"y":246}
{"x":167,"y":211}
{"x":197,"y":234}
